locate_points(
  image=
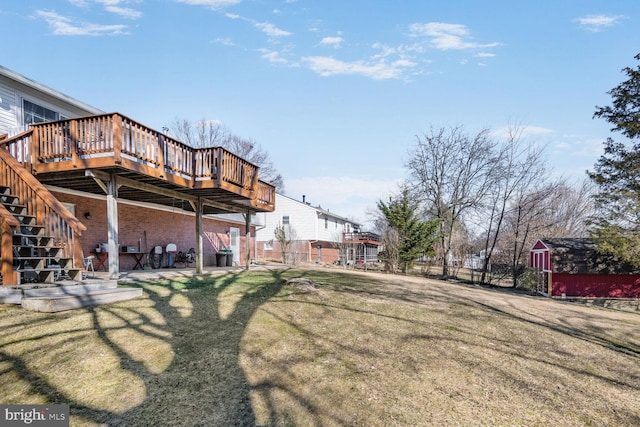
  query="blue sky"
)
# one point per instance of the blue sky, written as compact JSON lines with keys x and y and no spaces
{"x":336,"y":91}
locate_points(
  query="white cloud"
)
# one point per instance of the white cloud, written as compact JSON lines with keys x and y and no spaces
{"x":597,"y":23}
{"x":332,"y":41}
{"x":271,"y":30}
{"x":266,"y":27}
{"x":63,"y":26}
{"x":112,"y":6}
{"x":223,"y":41}
{"x":484,"y":55}
{"x":378,"y":70}
{"x":444,"y":36}
{"x":124,"y":12}
{"x":213,"y":4}
{"x":274,"y":57}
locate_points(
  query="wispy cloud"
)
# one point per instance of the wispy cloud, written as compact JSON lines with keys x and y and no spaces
{"x":116,"y":7}
{"x":223,"y":41}
{"x":212,"y":4}
{"x":63,"y":26}
{"x":377,"y":70}
{"x":271,"y":30}
{"x":266,"y":27}
{"x":275,"y":57}
{"x":444,"y":36}
{"x":596,"y":23}
{"x":332,"y":41}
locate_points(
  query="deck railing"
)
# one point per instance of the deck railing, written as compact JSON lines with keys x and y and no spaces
{"x":58,"y":222}
{"x":79,"y":141}
{"x":361,"y":237}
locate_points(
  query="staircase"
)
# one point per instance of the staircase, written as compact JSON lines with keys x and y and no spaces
{"x":36,"y":257}
{"x":40,"y":257}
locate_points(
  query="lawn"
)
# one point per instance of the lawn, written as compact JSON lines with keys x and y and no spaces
{"x":351,"y":349}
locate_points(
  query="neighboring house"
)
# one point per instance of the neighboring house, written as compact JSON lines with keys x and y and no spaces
{"x":89,"y":179}
{"x":571,"y":267}
{"x":24,"y":101}
{"x":317,"y":235}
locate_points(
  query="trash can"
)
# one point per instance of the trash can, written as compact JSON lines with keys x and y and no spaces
{"x":228,"y":253}
{"x":221,"y":259}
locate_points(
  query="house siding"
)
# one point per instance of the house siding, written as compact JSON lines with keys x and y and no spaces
{"x":8,"y":112}
{"x":308,"y":222}
{"x":17,"y":90}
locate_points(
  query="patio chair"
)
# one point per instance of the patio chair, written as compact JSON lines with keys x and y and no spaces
{"x":87,"y":264}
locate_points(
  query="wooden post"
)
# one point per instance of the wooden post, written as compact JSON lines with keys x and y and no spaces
{"x":112,"y":227}
{"x":75,"y":134}
{"x":199,"y":256}
{"x":247,"y":239}
{"x":117,"y":138}
{"x":9,"y":277}
{"x":161,"y":150}
{"x":31,"y":150}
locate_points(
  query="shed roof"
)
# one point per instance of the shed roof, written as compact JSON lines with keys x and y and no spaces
{"x":579,"y":256}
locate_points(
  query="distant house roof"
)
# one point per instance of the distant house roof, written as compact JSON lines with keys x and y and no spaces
{"x":320,"y":211}
{"x":19,"y":78}
{"x":579,"y":256}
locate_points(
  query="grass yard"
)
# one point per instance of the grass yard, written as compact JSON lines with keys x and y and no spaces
{"x":354,"y":349}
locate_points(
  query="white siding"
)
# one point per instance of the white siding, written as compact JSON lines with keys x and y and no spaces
{"x":15,"y":87}
{"x":306,"y":220}
{"x":8,"y":110}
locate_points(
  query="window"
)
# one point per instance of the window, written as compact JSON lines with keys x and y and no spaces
{"x":34,"y":113}
{"x":285,"y":219}
{"x":268,"y":246}
{"x":326,"y":223}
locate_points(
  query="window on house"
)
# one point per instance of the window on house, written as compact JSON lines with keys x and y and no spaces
{"x":34,"y":113}
{"x":285,"y":219}
{"x":268,"y":245}
{"x":326,"y":223}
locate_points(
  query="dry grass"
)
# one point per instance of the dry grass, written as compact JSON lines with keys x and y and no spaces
{"x":348,"y":349}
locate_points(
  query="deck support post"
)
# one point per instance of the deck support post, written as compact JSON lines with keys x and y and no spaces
{"x":247,"y":239}
{"x":112,"y":226}
{"x":199,"y":255}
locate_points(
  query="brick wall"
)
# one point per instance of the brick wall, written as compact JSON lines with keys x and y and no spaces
{"x":160,"y":227}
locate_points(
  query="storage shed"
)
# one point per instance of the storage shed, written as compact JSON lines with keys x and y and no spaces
{"x":571,"y":267}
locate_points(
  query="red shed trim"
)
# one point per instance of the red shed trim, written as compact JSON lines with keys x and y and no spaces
{"x":540,"y":257}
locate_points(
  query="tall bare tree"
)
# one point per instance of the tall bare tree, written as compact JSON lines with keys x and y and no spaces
{"x":452,"y":173}
{"x":518,"y":167}
{"x":211,"y":133}
{"x":556,"y":209}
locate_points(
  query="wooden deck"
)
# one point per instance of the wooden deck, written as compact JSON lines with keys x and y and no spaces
{"x":81,"y":153}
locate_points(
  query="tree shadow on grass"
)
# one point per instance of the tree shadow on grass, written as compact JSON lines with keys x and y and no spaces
{"x":179,"y":348}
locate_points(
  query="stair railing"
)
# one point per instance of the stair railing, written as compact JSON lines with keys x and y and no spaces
{"x":8,"y":224}
{"x":58,"y":222}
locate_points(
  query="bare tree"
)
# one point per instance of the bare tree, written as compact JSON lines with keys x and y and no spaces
{"x":556,"y":209}
{"x":518,"y":166}
{"x":452,"y":173}
{"x":211,"y":133}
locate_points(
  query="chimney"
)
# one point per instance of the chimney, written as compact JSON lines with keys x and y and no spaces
{"x":304,"y":198}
